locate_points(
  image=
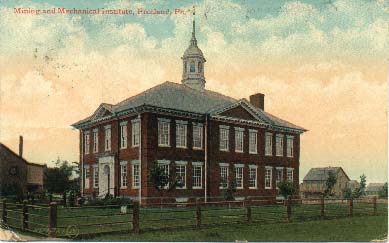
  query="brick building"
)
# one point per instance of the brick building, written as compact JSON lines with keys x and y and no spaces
{"x":205,"y":138}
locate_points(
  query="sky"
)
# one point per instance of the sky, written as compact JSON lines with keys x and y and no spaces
{"x":321,"y":64}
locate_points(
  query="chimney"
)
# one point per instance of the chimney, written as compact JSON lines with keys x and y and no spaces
{"x":20,"y":146}
{"x":258,"y":100}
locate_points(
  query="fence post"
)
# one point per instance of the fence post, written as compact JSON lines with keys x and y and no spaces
{"x":351,"y":207}
{"x":248,"y":212}
{"x":198,"y":214}
{"x":25,"y":216}
{"x":52,"y":232}
{"x":289,"y":209}
{"x":4,"y":215}
{"x":375,"y":206}
{"x":322,"y":207}
{"x":135,"y":218}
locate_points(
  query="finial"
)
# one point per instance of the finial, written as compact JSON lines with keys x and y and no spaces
{"x":193,"y":42}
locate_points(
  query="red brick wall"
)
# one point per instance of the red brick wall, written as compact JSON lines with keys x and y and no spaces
{"x":151,"y":152}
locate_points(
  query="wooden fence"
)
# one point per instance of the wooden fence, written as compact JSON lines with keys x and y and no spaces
{"x":57,"y":221}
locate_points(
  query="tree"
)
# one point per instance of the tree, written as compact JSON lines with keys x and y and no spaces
{"x":286,"y":189}
{"x":359,"y":191}
{"x":383,"y":193}
{"x":229,"y":192}
{"x":162,"y":181}
{"x":58,"y":179}
{"x":330,"y":183}
{"x":348,"y":193}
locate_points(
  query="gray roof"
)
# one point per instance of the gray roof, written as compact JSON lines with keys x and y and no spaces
{"x":321,"y":174}
{"x":374,"y":187}
{"x":176,"y":96}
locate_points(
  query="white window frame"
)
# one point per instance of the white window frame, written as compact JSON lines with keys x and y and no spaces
{"x":268,"y":176}
{"x":86,"y":142}
{"x":123,"y":135}
{"x":197,"y":131}
{"x":123,"y":174}
{"x":165,"y":164}
{"x":163,"y":132}
{"x":107,"y":138}
{"x":135,"y":136}
{"x":197,"y":178}
{"x":95,"y":140}
{"x":253,"y":168}
{"x":289,"y":174}
{"x":280,"y":145}
{"x":281,"y":176}
{"x":181,"y":164}
{"x":239,"y":175}
{"x":224,"y":170}
{"x":135,"y":170}
{"x":289,"y":146}
{"x":86,"y":176}
{"x":95,"y":176}
{"x":269,"y":144}
{"x":224,"y":135}
{"x":239,"y":135}
{"x":253,"y":141}
{"x":181,"y":134}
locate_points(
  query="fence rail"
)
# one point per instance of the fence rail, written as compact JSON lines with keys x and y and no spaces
{"x":57,"y":221}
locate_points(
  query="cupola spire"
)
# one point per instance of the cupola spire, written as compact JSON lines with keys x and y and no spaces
{"x":193,"y":60}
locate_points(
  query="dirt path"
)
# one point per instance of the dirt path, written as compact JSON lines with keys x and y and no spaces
{"x":9,"y":235}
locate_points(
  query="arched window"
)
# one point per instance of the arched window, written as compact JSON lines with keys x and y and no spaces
{"x":192,"y":67}
{"x":199,"y":67}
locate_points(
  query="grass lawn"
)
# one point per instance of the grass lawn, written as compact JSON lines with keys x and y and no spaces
{"x":364,"y":228}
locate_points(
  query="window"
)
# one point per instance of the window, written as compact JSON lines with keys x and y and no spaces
{"x":192,"y":67}
{"x":86,"y":142}
{"x":197,"y":175}
{"x":197,"y":136}
{"x":289,"y":174}
{"x":135,"y":175}
{"x":269,"y":144}
{"x":123,"y":135}
{"x":289,"y":146}
{"x":135,"y":133}
{"x":86,"y":176}
{"x":107,"y":141}
{"x":279,"y":174}
{"x":253,"y":142}
{"x":165,"y":165}
{"x":239,"y":139}
{"x":199,"y":67}
{"x":224,"y":176}
{"x":123,"y":174}
{"x":163,"y":133}
{"x":95,"y":141}
{"x":279,"y":145}
{"x":180,"y":134}
{"x":184,"y":67}
{"x":268,"y":172}
{"x":96,"y":176}
{"x":224,"y":134}
{"x":253,"y":177}
{"x":239,"y":177}
{"x":181,"y":175}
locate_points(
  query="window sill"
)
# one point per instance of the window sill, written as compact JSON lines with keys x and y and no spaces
{"x":163,"y":145}
{"x":123,"y":148}
{"x":268,"y":188}
{"x":237,"y":151}
{"x":269,"y":155}
{"x":290,"y":156}
{"x":253,"y":188}
{"x":123,"y":187}
{"x":253,"y":152}
{"x":224,"y":150}
{"x":181,"y":188}
{"x":197,"y":188}
{"x":135,"y":187}
{"x":222,"y":188}
{"x":239,"y":188}
{"x":197,"y":148}
{"x":181,"y":147}
{"x":279,"y":155}
{"x":135,"y":146}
